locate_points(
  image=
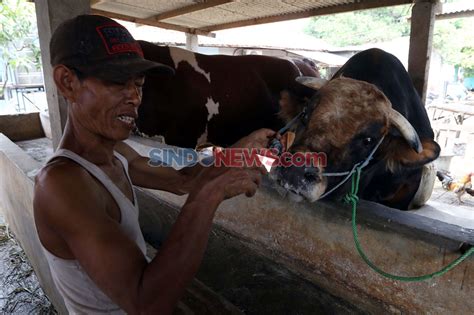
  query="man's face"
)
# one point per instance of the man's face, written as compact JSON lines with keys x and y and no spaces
{"x":108,"y":109}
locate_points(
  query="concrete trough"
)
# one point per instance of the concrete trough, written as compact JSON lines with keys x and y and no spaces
{"x":270,"y":255}
{"x":21,"y":126}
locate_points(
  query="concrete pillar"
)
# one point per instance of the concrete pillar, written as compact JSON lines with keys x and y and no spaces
{"x":192,"y":42}
{"x":49,"y":14}
{"x":421,"y":38}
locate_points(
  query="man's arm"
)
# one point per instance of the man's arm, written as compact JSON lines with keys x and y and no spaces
{"x":157,"y":177}
{"x":66,"y":203}
{"x":182,"y":181}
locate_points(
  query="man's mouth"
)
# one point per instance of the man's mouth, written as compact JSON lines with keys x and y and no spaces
{"x":129,"y":120}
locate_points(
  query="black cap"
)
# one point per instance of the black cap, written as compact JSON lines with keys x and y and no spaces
{"x":100,"y":47}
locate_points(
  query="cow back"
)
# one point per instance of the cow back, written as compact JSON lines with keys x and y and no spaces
{"x":213,"y":98}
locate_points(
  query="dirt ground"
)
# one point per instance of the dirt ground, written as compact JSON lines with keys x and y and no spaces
{"x":450,"y":198}
{"x":20,"y":292}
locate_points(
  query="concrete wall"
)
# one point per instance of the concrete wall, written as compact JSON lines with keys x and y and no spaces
{"x":21,"y":126}
{"x":16,"y":198}
{"x":315,"y":241}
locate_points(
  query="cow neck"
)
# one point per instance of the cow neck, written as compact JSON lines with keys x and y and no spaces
{"x":301,"y":118}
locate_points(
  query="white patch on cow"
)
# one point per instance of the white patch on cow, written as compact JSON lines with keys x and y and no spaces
{"x":179,"y":55}
{"x":203,"y":138}
{"x":212,"y":110}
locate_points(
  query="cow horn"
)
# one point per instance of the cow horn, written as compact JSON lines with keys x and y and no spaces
{"x":311,"y":82}
{"x":406,"y":129}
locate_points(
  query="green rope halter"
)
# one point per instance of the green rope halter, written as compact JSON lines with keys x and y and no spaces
{"x":353,"y":199}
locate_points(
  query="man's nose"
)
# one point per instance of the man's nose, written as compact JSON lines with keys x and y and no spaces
{"x":134,"y":93}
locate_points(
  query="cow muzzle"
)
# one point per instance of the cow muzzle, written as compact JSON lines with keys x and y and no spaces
{"x":301,"y":182}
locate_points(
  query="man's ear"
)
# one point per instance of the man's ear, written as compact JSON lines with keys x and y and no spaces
{"x":400,"y":154}
{"x":65,"y":79}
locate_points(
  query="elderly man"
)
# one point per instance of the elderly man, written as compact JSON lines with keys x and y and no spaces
{"x":86,"y":211}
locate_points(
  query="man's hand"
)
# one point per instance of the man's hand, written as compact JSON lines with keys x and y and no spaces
{"x":220,"y":183}
{"x":258,"y":139}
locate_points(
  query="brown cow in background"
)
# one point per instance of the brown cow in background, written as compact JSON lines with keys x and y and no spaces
{"x":215,"y":98}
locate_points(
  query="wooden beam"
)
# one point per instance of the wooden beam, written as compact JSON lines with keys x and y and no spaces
{"x":192,"y":42}
{"x":152,"y":22}
{"x":421,"y":38}
{"x":49,"y":14}
{"x":190,"y":9}
{"x":362,"y":5}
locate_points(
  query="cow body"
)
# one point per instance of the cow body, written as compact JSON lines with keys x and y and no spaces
{"x":370,"y":99}
{"x":213,"y":99}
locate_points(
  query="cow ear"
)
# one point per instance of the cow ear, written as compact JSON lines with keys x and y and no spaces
{"x":401,"y":154}
{"x":289,"y":106}
{"x":311,"y":82}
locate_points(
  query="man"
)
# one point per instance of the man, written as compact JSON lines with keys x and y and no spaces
{"x":85,"y":208}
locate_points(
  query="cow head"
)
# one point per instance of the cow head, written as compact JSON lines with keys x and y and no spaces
{"x":345,"y":120}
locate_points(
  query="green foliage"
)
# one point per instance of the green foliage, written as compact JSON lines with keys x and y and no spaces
{"x":360,"y":27}
{"x":19,"y":46}
{"x":469,"y":73}
{"x":453,"y":39}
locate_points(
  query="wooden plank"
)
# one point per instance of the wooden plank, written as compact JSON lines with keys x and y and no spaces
{"x":455,"y":108}
{"x":362,"y":5}
{"x":189,"y":9}
{"x":421,"y":38}
{"x":152,"y":22}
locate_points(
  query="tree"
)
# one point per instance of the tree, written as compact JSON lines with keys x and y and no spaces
{"x":360,"y":27}
{"x":453,"y":39}
{"x":18,"y":36}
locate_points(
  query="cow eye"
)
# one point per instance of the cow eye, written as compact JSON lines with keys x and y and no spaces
{"x":367,"y":141}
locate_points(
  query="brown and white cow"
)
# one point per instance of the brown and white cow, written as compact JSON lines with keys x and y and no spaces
{"x":370,"y":98}
{"x":216,"y":98}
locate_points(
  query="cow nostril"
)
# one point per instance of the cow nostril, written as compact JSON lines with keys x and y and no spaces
{"x":311,"y":177}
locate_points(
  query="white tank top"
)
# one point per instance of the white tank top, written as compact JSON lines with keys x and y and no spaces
{"x":80,"y":293}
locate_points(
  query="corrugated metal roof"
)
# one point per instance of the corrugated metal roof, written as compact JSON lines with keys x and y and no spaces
{"x":454,"y":10}
{"x":457,"y":7}
{"x":205,"y":16}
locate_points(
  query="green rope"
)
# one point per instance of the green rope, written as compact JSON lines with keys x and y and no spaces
{"x":353,"y":199}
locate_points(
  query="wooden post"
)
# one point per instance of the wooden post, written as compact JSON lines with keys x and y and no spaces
{"x":192,"y":42}
{"x":421,"y":37}
{"x":49,"y":14}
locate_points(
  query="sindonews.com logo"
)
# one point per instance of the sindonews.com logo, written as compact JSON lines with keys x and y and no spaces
{"x":234,"y":157}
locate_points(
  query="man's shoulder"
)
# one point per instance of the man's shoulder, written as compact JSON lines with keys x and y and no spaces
{"x":61,"y":171}
{"x":63,"y":182}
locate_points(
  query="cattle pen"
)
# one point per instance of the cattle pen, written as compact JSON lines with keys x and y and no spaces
{"x":267,"y":254}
